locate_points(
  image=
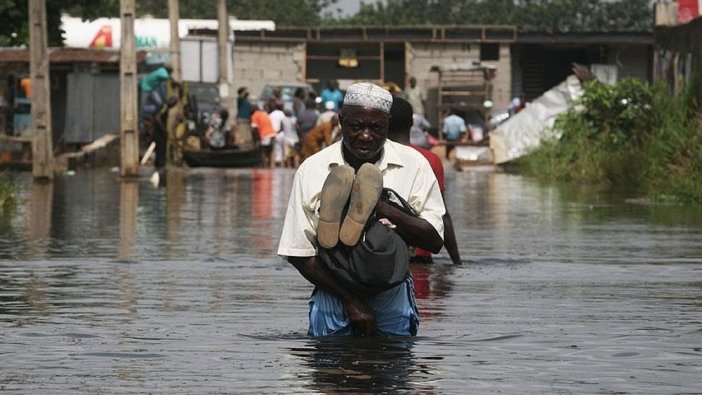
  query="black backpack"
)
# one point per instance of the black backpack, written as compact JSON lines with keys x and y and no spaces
{"x":378,"y":262}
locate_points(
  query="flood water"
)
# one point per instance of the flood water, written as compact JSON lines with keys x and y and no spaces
{"x":120,"y":287}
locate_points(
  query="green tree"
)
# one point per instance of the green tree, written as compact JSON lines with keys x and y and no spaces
{"x":14,"y":28}
{"x":14,"y":18}
{"x":527,"y":15}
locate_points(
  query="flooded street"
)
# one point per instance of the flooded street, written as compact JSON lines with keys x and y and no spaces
{"x":120,"y":287}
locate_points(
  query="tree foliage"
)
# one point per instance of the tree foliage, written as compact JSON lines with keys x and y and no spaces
{"x":14,"y":27}
{"x":527,"y":15}
{"x":630,"y":135}
{"x":14,"y":18}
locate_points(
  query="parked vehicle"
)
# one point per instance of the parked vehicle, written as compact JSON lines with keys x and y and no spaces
{"x":206,"y":98}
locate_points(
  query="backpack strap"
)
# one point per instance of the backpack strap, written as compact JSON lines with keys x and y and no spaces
{"x":393,"y":197}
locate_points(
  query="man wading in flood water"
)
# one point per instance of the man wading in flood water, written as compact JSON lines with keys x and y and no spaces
{"x":354,"y":170}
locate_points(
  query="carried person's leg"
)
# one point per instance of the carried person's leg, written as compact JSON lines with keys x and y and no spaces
{"x":335,"y":194}
{"x":366,"y":190}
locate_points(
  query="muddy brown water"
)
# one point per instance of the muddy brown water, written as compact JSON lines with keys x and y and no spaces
{"x":119,"y":287}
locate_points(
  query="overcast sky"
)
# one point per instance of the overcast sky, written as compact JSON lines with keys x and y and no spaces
{"x":348,"y":7}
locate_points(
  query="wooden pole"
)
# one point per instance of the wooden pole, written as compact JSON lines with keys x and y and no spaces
{"x":128,"y":207}
{"x":129,"y":132}
{"x":42,"y":147}
{"x":222,"y":38}
{"x":173,"y":16}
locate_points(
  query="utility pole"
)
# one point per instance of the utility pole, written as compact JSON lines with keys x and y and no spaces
{"x":129,"y":129}
{"x":42,"y":147}
{"x":222,"y":37}
{"x":173,"y":16}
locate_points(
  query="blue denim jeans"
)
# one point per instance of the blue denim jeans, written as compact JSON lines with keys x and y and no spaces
{"x":395,"y":312}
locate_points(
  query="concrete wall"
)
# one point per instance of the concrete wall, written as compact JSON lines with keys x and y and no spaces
{"x":256,"y":64}
{"x":633,"y":61}
{"x":502,"y":85}
{"x":422,"y":56}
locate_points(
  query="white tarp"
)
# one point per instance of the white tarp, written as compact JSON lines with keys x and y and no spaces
{"x":525,"y":130}
{"x":471,"y":153}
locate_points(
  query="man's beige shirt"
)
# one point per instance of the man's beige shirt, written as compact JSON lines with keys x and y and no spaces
{"x":404,"y":170}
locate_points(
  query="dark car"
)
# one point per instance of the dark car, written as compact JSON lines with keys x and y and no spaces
{"x":206,"y":99}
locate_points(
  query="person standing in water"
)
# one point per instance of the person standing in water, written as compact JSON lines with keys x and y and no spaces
{"x":336,"y":309}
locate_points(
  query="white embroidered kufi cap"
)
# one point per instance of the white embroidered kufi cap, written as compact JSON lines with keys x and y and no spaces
{"x":369,"y":95}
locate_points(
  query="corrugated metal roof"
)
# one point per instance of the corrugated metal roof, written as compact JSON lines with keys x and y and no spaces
{"x":633,"y":38}
{"x":67,"y":55}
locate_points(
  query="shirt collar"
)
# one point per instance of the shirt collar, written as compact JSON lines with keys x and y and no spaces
{"x":390,"y":156}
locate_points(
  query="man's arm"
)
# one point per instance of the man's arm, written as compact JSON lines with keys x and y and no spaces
{"x":450,"y":239}
{"x":360,"y":314}
{"x":416,"y":231}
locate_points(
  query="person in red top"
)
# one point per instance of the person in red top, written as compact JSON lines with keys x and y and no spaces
{"x":399,"y":131}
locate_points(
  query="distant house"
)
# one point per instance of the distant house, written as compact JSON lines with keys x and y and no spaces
{"x":526,"y":63}
{"x":541,"y":61}
{"x":379,"y":54}
{"x":84,"y":90}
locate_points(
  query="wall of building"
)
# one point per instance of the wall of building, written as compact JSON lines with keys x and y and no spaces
{"x":258,"y":63}
{"x":91,"y":106}
{"x":633,"y":61}
{"x":422,"y":56}
{"x":537,"y":67}
{"x":502,"y":85}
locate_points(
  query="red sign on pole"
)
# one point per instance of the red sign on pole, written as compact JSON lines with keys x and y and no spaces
{"x":688,"y":10}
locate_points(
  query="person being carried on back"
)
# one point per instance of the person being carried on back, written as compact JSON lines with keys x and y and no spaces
{"x":334,"y":205}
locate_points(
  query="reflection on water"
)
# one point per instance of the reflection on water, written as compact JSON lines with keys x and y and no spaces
{"x":109,"y":286}
{"x":360,"y":365}
{"x":128,"y":204}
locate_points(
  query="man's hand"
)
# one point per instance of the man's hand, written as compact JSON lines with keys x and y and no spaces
{"x":361,"y":317}
{"x":414,"y":230}
{"x":359,"y":313}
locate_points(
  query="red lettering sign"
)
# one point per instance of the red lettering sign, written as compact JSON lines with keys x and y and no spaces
{"x":103,"y":38}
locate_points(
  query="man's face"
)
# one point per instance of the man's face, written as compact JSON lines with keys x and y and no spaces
{"x":364,"y":130}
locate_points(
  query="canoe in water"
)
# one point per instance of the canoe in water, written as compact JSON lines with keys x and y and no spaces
{"x":228,"y":157}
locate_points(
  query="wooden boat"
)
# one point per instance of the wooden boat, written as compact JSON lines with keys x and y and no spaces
{"x":227,"y":157}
